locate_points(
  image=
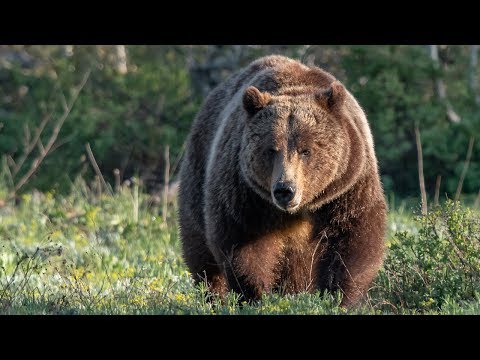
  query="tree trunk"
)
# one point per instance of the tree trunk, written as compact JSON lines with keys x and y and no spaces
{"x":437,"y":190}
{"x":421,"y":178}
{"x":473,"y":80}
{"x":441,"y":88}
{"x":121,"y":59}
{"x":465,"y":169}
{"x":215,"y":65}
{"x":166,"y":177}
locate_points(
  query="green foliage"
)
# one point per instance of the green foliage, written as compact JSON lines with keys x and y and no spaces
{"x":396,"y":87}
{"x":84,"y":254}
{"x":88,"y":254}
{"x":436,"y":264}
{"x":77,"y":252}
{"x":128,"y":119}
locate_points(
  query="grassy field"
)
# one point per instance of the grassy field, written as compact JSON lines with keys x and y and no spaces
{"x":100,"y":254}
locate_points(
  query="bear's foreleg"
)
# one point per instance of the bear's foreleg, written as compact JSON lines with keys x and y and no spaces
{"x":250,"y":265}
{"x":352,"y":262}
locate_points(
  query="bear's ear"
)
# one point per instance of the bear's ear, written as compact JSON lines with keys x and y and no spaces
{"x":333,"y":97}
{"x":254,"y":100}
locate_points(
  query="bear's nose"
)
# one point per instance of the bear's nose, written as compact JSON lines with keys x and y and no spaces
{"x":283,"y":192}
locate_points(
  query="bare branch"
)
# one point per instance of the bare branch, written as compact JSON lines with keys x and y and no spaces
{"x":96,"y":168}
{"x":116,"y":174}
{"x":437,"y":190}
{"x":166,"y":179}
{"x":178,"y":158}
{"x":7,"y":170}
{"x":61,"y":143}
{"x":53,"y":137}
{"x":63,"y":100}
{"x":32,"y":144}
{"x":40,"y":146}
{"x":62,"y":119}
{"x":26,"y":131}
{"x":420,"y":171}
{"x":477,"y":200}
{"x":465,"y":169}
{"x":10,"y":161}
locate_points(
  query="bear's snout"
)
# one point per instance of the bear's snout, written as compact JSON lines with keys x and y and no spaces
{"x":284,"y":193}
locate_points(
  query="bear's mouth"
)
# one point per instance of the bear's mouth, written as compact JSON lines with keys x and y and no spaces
{"x":291,"y":207}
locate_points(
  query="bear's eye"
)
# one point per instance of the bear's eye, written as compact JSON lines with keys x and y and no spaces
{"x":305,"y":153}
{"x":272,"y":151}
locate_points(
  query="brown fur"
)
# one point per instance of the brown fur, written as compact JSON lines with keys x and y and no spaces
{"x":280,"y":121}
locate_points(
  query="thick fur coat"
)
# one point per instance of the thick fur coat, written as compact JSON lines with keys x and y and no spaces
{"x":279,"y":186}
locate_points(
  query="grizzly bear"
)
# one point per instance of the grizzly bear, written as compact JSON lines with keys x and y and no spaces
{"x":279,"y":186}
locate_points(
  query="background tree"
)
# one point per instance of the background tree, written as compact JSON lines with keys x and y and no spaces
{"x":140,"y":99}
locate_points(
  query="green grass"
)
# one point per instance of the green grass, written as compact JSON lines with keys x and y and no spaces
{"x":88,"y":254}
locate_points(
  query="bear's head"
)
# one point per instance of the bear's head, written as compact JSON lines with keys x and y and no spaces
{"x":300,"y":149}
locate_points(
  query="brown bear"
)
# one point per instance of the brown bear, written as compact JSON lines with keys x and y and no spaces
{"x":279,"y":186}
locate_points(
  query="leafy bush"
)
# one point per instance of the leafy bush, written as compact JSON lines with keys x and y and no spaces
{"x":396,"y":87}
{"x":90,"y":253}
{"x":436,"y":265}
{"x":128,"y":119}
